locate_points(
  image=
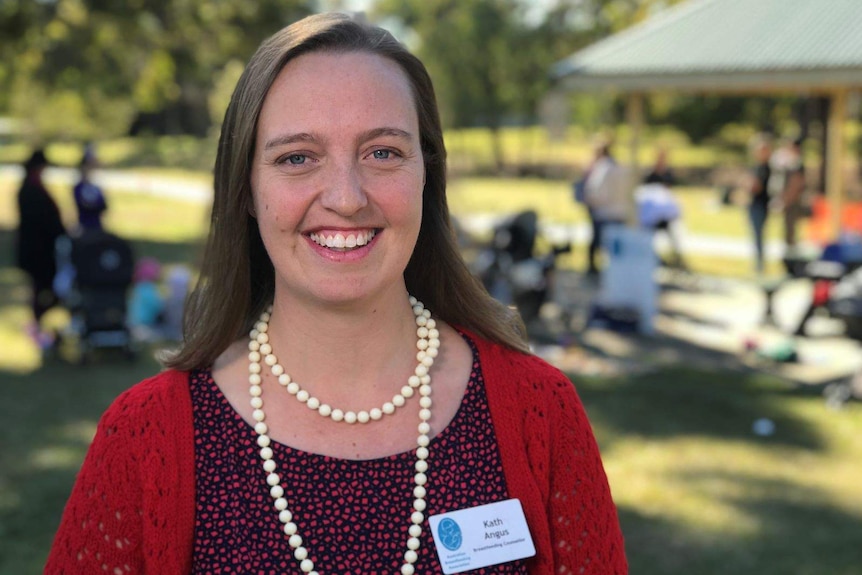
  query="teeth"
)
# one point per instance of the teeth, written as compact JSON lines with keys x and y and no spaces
{"x":343,"y":242}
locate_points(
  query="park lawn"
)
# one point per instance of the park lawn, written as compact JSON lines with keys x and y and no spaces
{"x":471,"y":148}
{"x":699,"y":492}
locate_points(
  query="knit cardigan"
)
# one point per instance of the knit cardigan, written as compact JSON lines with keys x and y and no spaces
{"x":132,"y":509}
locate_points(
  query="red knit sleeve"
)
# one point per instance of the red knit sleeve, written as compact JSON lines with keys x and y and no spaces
{"x":131,"y":511}
{"x":585,"y":530}
{"x":552,"y":465}
{"x":100,"y":531}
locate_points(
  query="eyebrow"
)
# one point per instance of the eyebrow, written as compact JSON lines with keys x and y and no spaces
{"x":289,"y":139}
{"x":384,"y":131}
{"x":363,"y":137}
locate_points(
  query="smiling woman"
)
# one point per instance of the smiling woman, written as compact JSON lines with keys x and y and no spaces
{"x":328,"y":166}
{"x":297,"y":428}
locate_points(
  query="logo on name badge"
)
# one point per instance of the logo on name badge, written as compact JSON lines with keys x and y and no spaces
{"x":449,"y":534}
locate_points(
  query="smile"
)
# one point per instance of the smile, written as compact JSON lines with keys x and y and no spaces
{"x":343,"y":241}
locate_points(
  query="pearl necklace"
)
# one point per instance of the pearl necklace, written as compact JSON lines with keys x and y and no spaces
{"x":428,"y":343}
{"x":425,"y":325}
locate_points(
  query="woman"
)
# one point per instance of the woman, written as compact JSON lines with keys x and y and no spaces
{"x":329,"y":213}
{"x":758,"y":207}
{"x":39,"y":227}
{"x":604,"y":196}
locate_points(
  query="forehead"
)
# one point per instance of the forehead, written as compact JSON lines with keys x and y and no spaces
{"x":323,"y":91}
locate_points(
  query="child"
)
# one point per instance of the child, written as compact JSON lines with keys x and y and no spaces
{"x":146,"y":304}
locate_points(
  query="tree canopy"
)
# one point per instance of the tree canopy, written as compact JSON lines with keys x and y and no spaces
{"x":84,"y":69}
{"x":81,"y":68}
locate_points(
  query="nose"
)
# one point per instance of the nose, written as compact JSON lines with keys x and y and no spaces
{"x":343,"y":190}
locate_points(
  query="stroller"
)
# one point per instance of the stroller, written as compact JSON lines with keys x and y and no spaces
{"x":512,"y":272}
{"x":836,"y":285}
{"x":97,"y":269}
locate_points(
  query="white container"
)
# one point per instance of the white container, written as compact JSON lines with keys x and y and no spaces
{"x":628,"y":278}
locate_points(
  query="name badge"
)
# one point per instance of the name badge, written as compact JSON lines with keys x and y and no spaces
{"x":481,"y":536}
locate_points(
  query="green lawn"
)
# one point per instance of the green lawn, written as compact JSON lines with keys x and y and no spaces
{"x":698,"y":493}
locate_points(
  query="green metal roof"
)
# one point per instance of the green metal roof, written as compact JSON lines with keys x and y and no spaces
{"x":726,"y":45}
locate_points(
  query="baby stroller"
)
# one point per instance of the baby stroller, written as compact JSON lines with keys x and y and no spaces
{"x":98,"y":267}
{"x":512,"y":272}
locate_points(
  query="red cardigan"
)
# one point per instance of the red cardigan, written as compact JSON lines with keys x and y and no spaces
{"x":132,"y":509}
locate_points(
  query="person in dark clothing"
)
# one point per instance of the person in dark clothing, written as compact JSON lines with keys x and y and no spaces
{"x":662,"y":178}
{"x":661,"y":172}
{"x":758,"y":208}
{"x":39,"y":227}
{"x":89,"y":198}
{"x":793,"y":191}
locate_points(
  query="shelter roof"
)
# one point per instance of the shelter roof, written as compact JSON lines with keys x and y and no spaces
{"x":728,"y":45}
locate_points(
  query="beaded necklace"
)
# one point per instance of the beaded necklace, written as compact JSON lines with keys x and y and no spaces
{"x":428,"y":344}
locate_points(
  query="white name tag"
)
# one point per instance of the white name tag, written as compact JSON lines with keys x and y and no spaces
{"x":481,"y":536}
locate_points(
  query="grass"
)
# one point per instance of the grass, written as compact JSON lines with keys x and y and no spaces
{"x":696,"y":490}
{"x":470,"y":148}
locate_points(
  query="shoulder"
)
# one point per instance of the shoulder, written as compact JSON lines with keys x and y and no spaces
{"x":521,"y":376}
{"x":162,"y":398}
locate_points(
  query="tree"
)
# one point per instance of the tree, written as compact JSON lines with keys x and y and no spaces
{"x":490,"y":59}
{"x":80,"y":68}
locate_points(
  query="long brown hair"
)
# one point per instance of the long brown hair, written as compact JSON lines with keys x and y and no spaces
{"x":237,"y":279}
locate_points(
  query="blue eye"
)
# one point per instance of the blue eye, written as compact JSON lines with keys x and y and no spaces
{"x":382,"y":154}
{"x":296,"y":159}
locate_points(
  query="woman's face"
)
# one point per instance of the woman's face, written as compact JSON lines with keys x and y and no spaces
{"x":337,"y":176}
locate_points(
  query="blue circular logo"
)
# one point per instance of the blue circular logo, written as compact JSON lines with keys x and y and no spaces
{"x":450,"y":534}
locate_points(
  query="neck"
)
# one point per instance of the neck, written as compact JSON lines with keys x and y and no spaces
{"x":348,"y":348}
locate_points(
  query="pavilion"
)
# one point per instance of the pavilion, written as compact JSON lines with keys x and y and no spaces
{"x":735,"y":47}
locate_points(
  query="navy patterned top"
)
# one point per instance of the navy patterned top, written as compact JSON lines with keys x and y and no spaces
{"x":353,"y":516}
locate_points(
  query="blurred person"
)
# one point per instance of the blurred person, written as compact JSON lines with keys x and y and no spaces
{"x":146,"y":303}
{"x":792,"y":193}
{"x":661,"y":172}
{"x":758,"y":207}
{"x":658,"y":209}
{"x":39,"y":228}
{"x":331,"y":258}
{"x":89,"y":197}
{"x":604,"y":195}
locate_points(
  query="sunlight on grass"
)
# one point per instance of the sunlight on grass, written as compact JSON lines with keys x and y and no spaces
{"x":688,"y":473}
{"x":9,"y":499}
{"x":56,"y":457}
{"x":550,"y":198}
{"x":76,"y":435}
{"x":134,"y":216}
{"x":18,"y":354}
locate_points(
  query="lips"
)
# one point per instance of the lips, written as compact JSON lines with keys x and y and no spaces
{"x":343,"y":241}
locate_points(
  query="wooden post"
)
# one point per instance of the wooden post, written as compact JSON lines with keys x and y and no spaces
{"x":634,"y":119}
{"x":834,"y":159}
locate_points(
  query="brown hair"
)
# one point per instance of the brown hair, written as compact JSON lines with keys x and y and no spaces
{"x":237,"y":278}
